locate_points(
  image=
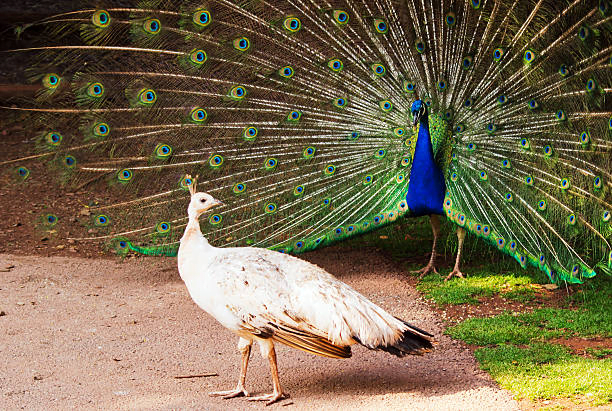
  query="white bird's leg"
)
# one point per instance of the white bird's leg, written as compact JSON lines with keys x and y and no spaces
{"x":456,"y":272}
{"x":267,"y":349}
{"x":244,"y":346}
{"x":434,"y":219}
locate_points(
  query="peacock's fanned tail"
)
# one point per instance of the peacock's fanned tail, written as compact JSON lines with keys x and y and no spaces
{"x":297,"y":116}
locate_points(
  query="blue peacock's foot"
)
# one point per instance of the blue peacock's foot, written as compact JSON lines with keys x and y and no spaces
{"x":454,"y":273}
{"x":429,"y":268}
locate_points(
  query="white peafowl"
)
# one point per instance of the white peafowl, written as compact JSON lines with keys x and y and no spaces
{"x":267,"y":296}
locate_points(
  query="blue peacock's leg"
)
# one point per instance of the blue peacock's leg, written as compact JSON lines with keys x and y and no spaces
{"x":430,"y":267}
{"x":456,"y":272}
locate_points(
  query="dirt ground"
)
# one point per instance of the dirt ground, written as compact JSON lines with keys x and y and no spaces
{"x":81,"y":333}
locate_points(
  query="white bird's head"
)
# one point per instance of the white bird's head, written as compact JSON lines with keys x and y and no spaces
{"x":200,"y":202}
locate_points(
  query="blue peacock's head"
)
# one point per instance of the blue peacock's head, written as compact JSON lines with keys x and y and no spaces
{"x":419,"y":110}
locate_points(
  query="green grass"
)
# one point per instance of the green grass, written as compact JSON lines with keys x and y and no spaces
{"x":501,"y":329}
{"x":600,"y":352}
{"x":485,"y":283}
{"x":544,"y":371}
{"x":514,"y":347}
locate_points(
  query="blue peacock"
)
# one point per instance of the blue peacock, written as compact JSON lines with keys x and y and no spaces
{"x":315,"y":121}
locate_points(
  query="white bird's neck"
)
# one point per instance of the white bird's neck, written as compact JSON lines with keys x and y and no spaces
{"x":194,"y":250}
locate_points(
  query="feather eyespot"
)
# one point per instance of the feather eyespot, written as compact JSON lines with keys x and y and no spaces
{"x":286,"y":72}
{"x":198,"y":57}
{"x":292,"y":24}
{"x":152,"y":26}
{"x":198,"y":115}
{"x":378,"y":69}
{"x":242,"y":44}
{"x":101,"y":18}
{"x":163,"y":151}
{"x":341,"y":17}
{"x":201,"y":18}
{"x":51,"y":81}
{"x":335,"y":64}
{"x":250,"y":133}
{"x":237,"y":93}
{"x":125,"y":175}
{"x":215,"y":161}
{"x":381,"y":26}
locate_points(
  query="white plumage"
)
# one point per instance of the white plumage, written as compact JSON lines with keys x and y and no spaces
{"x":271,"y":297}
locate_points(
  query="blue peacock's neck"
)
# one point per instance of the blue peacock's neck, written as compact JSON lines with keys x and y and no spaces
{"x":426,"y":187}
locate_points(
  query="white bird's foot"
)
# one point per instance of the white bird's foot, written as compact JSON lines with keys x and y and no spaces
{"x":429,"y":268}
{"x":454,"y":273}
{"x":237,"y":392}
{"x":270,"y":398}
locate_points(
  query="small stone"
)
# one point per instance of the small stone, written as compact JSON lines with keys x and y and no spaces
{"x":2,"y":313}
{"x":550,"y":287}
{"x":20,"y":303}
{"x":85,"y":212}
{"x":61,"y":247}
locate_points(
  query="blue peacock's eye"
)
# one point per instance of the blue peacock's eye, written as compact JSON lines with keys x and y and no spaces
{"x":597,"y":182}
{"x":467,"y":62}
{"x":533,"y":104}
{"x":270,"y":208}
{"x":330,"y":169}
{"x":468,"y":103}
{"x":354,"y":135}
{"x":563,"y":70}
{"x":583,"y":33}
{"x":528,"y":56}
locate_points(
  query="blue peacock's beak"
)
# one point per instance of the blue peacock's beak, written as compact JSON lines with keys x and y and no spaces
{"x":417,"y":118}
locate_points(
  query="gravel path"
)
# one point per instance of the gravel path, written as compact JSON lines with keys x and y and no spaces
{"x":105,"y":334}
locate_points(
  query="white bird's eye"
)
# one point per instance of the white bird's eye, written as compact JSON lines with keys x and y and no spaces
{"x":203,"y":200}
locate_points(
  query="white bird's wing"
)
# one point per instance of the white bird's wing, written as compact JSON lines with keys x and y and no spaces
{"x":277,"y":296}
